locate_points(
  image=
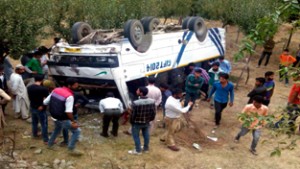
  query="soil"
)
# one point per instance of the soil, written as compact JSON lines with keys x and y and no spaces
{"x":112,"y":153}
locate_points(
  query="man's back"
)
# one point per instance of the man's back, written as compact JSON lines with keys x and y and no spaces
{"x":155,"y":94}
{"x":143,"y":110}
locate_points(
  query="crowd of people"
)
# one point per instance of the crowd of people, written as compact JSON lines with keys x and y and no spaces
{"x":31,"y":91}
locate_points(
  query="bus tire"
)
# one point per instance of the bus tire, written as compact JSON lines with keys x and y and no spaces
{"x":134,"y":31}
{"x":197,"y":25}
{"x":149,"y":23}
{"x":80,"y":30}
{"x":185,"y":22}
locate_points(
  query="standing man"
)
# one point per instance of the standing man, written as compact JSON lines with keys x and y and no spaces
{"x":37,"y":94}
{"x":60,"y":103}
{"x":3,"y":84}
{"x":286,"y":60}
{"x":267,"y":52}
{"x":34,"y":65}
{"x":254,"y":110}
{"x":155,"y":94}
{"x":20,"y":95}
{"x":225,"y":65}
{"x":174,"y":110}
{"x":143,"y":111}
{"x":270,"y":86}
{"x":112,"y":108}
{"x":222,"y":90}
{"x":193,"y":85}
{"x":213,"y":73}
{"x":259,"y":89}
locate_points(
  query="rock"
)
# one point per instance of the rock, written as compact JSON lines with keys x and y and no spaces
{"x":46,"y":164}
{"x":56,"y":161}
{"x":69,"y":163}
{"x":62,"y":164}
{"x":35,"y":163}
{"x":38,"y":151}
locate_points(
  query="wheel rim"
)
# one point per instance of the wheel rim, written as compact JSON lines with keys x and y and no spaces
{"x":138,"y":33}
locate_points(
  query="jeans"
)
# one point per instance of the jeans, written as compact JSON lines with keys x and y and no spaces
{"x":190,"y":97}
{"x":255,"y":134}
{"x":219,"y":107}
{"x":106,"y":120}
{"x":39,"y":116}
{"x":64,"y":124}
{"x":283,"y":74}
{"x":136,"y":136}
{"x":268,"y":54}
{"x":66,"y":131}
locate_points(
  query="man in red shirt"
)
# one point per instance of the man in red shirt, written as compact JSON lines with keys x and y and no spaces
{"x":286,"y":60}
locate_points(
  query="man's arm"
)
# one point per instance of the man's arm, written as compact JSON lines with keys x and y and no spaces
{"x":212,"y":91}
{"x":47,"y":100}
{"x":231,"y":95}
{"x":101,"y":107}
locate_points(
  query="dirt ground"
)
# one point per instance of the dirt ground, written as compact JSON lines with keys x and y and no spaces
{"x":112,"y":153}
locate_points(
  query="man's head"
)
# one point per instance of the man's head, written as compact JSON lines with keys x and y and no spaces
{"x":56,"y":40}
{"x":259,"y":81}
{"x":142,"y":91}
{"x":269,"y":75}
{"x":197,"y":73}
{"x":43,"y":50}
{"x":177,"y":93}
{"x":221,"y":58}
{"x":257,"y":101}
{"x":191,"y":66}
{"x":37,"y":54}
{"x":110,"y":94}
{"x":20,"y":69}
{"x":163,"y":87}
{"x":72,"y":83}
{"x":215,"y":66}
{"x":38,"y":77}
{"x":49,"y":84}
{"x":223,"y":77}
{"x":286,"y":51}
{"x":151,"y":80}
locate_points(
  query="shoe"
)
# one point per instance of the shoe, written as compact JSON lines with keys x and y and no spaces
{"x":257,"y":66}
{"x":134,"y":152}
{"x":127,"y":133}
{"x":28,"y":120}
{"x":53,"y":148}
{"x":146,"y":151}
{"x":286,"y":85}
{"x":75,"y":152}
{"x":162,"y":140}
{"x":104,"y":135}
{"x":236,"y":140}
{"x":173,"y":148}
{"x":253,"y":152}
{"x":114,"y":134}
{"x":46,"y":142}
{"x":63,"y":144}
{"x":216,"y":126}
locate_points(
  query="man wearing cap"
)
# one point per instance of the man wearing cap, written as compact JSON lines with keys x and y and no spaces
{"x":193,"y":85}
{"x":19,"y":91}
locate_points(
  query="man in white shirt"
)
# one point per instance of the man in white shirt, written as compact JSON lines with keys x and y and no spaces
{"x":20,"y":96}
{"x":155,"y":94}
{"x":111,"y":108}
{"x":174,"y":110}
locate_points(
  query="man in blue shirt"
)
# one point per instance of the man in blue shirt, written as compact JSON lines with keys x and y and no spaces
{"x":225,"y":65}
{"x":222,"y":89}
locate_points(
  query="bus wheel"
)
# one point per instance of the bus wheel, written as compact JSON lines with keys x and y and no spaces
{"x":149,"y":23}
{"x":185,"y":22}
{"x":134,"y":31}
{"x":197,"y":25}
{"x":80,"y":30}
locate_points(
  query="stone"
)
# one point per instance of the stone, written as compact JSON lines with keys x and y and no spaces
{"x":71,"y":167}
{"x":69,"y":163}
{"x":35,"y":163}
{"x":46,"y":164}
{"x":38,"y":151}
{"x":56,"y":161}
{"x":62,"y":164}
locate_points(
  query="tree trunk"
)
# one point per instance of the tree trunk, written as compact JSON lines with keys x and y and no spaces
{"x":180,"y":20}
{"x":246,"y":68}
{"x":165,"y":20}
{"x":290,"y":38}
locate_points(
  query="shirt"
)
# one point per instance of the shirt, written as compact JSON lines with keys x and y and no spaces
{"x":286,"y":60}
{"x":225,"y":66}
{"x":110,"y":103}
{"x":143,"y":111}
{"x":191,"y":82}
{"x":69,"y":103}
{"x":221,"y":94}
{"x":174,"y":108}
{"x":257,"y":91}
{"x":250,"y":109}
{"x":35,"y":65}
{"x":214,"y":76}
{"x":155,"y":94}
{"x":295,"y":90}
{"x":270,"y":85}
{"x":36,"y":94}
